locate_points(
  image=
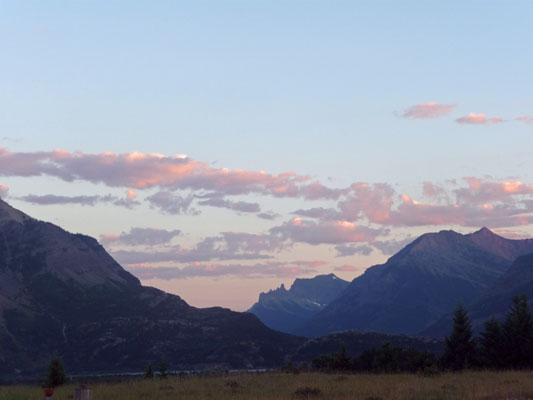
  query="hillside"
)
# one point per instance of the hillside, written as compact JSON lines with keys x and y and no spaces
{"x":63,"y":292}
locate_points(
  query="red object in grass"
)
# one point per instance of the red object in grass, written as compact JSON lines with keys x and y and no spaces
{"x":48,"y":392}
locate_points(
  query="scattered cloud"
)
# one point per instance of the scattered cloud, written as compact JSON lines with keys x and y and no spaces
{"x":141,"y":236}
{"x":52,"y":199}
{"x":481,"y":191}
{"x":389,"y":247}
{"x":260,"y":270}
{"x":171,"y":203}
{"x":269,"y":215}
{"x":478,"y":119}
{"x":331,"y":232}
{"x":226,"y":246}
{"x":434,"y":192}
{"x":371,"y":201}
{"x":428,"y":110}
{"x":346,"y":250}
{"x":240,"y":206}
{"x":319,"y":212}
{"x":525,"y":118}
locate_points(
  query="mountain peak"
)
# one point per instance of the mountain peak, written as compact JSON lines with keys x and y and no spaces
{"x":484,"y":232}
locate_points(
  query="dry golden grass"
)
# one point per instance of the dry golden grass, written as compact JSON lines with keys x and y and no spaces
{"x":467,"y":385}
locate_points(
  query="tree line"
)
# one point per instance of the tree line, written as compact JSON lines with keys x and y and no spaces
{"x":500,"y":345}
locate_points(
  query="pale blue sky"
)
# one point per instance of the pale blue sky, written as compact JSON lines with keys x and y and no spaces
{"x":314,"y":87}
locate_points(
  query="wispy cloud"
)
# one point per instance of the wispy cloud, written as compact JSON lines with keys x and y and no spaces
{"x":141,"y":236}
{"x":171,"y":203}
{"x":92,"y":200}
{"x":331,"y":232}
{"x":429,"y":110}
{"x":290,"y":269}
{"x":478,"y":119}
{"x":346,"y":250}
{"x":226,"y":246}
{"x":239,"y":206}
{"x":525,"y":118}
{"x":348,"y":268}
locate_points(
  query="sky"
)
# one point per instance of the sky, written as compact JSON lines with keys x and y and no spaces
{"x":219,"y":149}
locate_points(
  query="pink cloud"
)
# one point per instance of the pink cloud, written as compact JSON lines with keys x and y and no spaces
{"x":413,"y":213}
{"x":428,"y":110}
{"x":512,"y":234}
{"x":3,"y":190}
{"x":139,"y":171}
{"x":373,"y":201}
{"x":481,"y":191}
{"x":432,"y":191}
{"x":131,"y":195}
{"x":525,"y":118}
{"x":478,"y":119}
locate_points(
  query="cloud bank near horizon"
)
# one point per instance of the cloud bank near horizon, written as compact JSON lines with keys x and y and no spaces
{"x":354,"y":220}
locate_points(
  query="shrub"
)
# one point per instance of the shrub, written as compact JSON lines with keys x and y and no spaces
{"x":56,"y":373}
{"x":149,"y":374}
{"x":307,"y":392}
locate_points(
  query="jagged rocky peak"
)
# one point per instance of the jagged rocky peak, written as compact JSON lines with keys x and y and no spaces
{"x":283,"y":309}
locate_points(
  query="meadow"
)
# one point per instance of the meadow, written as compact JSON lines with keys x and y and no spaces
{"x":478,"y":385}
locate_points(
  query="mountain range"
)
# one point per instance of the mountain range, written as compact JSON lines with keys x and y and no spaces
{"x":63,"y":292}
{"x":420,"y":284}
{"x":285,"y":310}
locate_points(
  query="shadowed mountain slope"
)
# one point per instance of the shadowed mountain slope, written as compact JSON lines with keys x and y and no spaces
{"x":420,"y":283}
{"x":62,"y":291}
{"x":284,"y":310}
{"x":495,"y":301}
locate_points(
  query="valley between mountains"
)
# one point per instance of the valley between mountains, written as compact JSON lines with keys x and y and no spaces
{"x":62,"y":292}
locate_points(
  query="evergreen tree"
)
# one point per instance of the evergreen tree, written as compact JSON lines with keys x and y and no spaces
{"x":149,"y":374}
{"x":163,"y":370}
{"x":492,"y":344}
{"x":342,"y":360}
{"x":56,"y":373}
{"x":460,"y":349}
{"x":518,"y":334}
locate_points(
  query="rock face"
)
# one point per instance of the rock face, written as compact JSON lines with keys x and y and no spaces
{"x":63,"y":292}
{"x":284,"y":310}
{"x":422,"y":282}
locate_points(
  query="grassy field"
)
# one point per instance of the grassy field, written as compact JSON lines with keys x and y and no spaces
{"x":467,"y":385}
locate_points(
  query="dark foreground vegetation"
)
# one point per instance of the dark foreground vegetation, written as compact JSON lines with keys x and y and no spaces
{"x":468,"y":385}
{"x":501,"y":345}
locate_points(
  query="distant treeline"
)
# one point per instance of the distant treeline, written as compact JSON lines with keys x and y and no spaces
{"x":501,"y":345}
